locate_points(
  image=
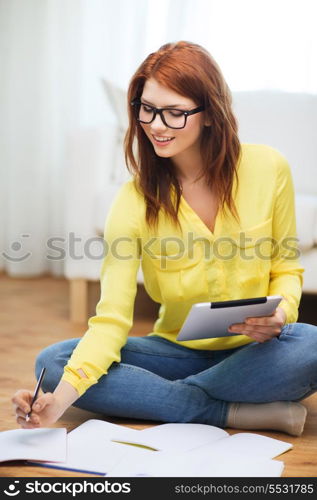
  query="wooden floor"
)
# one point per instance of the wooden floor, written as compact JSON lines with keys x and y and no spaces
{"x":34,"y":313}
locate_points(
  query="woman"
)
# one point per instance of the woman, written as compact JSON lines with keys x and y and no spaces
{"x":209,"y":219}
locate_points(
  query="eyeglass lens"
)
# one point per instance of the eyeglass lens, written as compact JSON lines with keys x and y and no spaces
{"x":173,"y":118}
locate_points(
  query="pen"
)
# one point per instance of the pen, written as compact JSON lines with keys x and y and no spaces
{"x":37,"y":388}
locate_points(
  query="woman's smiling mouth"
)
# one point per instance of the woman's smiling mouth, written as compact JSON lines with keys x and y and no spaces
{"x":162,"y":140}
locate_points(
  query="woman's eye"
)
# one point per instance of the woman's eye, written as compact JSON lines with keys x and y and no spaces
{"x":175,"y":112}
{"x":147,"y":109}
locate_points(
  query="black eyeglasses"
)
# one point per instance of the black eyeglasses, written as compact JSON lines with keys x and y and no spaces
{"x":171,"y":117}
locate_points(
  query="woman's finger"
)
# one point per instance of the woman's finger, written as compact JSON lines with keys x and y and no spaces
{"x":20,"y":413}
{"x":276,"y":319}
{"x":33,"y":418}
{"x":42,"y":402}
{"x":248,"y":329}
{"x":262,"y":337}
{"x":22,"y":399}
{"x":261,"y":320}
{"x":26,"y":425}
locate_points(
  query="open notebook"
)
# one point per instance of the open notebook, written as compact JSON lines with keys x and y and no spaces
{"x":189,"y":450}
{"x":194,"y":463}
{"x":33,"y":444}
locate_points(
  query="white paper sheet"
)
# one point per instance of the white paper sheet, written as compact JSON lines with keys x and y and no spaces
{"x":185,"y":450}
{"x":33,"y":444}
{"x":175,"y":437}
{"x":185,"y":437}
{"x":90,"y":449}
{"x":193,"y":464}
{"x":251,"y":445}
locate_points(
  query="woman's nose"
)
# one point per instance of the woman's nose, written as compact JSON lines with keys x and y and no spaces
{"x":158,"y":124}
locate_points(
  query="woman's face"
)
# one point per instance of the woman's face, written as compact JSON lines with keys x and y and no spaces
{"x":168,"y":142}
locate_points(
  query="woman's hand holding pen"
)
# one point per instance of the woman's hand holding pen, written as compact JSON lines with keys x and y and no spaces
{"x":263,"y":328}
{"x":47,"y":408}
{"x":45,"y":411}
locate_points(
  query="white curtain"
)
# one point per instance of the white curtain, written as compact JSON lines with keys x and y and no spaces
{"x":53,"y":55}
{"x":39,"y":106}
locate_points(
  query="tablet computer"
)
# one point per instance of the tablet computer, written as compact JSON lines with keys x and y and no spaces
{"x":212,"y":319}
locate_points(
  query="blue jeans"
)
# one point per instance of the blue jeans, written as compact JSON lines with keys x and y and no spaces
{"x":162,"y":381}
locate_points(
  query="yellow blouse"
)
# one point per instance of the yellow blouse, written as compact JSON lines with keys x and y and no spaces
{"x":252,"y":257}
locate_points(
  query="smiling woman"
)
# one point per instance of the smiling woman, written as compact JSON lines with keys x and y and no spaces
{"x":156,"y":122}
{"x":202,"y":102}
{"x":193,"y":184}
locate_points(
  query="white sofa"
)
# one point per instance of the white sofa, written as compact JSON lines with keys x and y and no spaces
{"x":96,"y":170}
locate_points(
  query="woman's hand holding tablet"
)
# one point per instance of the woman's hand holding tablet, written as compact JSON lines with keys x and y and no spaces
{"x":256,"y":317}
{"x":261,"y":328}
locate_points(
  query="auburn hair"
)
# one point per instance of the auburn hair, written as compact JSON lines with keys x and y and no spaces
{"x":188,"y":69}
